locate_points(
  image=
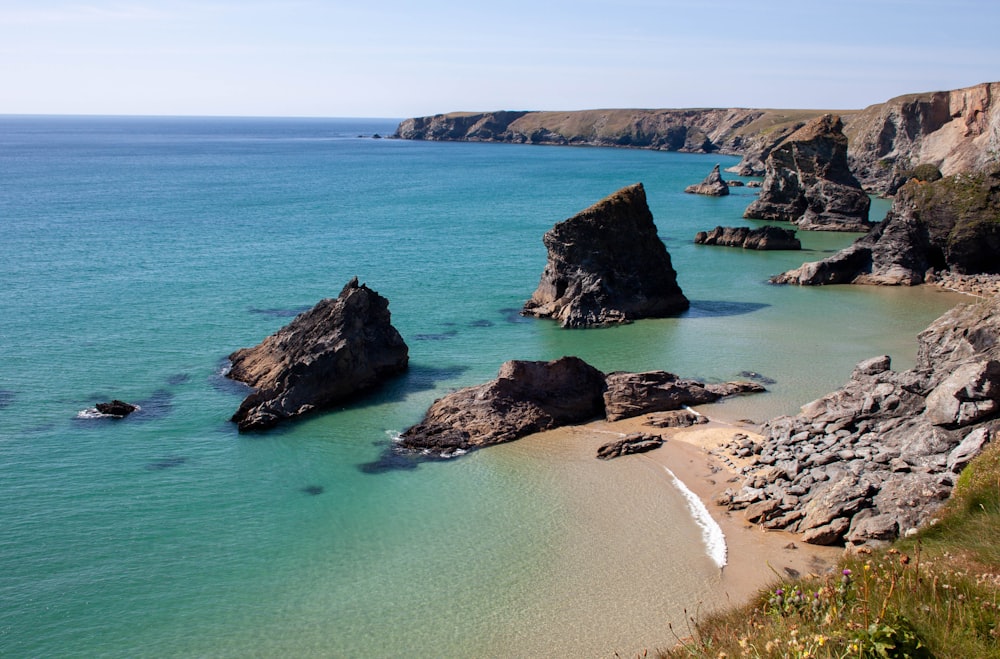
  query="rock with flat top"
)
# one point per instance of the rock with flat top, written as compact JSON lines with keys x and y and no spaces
{"x":762,"y":238}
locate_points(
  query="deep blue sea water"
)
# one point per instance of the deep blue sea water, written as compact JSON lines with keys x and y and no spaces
{"x":136,"y":253}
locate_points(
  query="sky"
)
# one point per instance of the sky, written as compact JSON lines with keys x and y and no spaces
{"x":404,"y":58}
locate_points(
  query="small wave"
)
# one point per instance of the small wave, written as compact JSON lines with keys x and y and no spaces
{"x":711,"y":532}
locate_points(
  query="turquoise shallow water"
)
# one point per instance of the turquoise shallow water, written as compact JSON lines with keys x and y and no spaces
{"x":137,"y":253}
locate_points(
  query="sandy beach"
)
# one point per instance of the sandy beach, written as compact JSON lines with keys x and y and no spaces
{"x":757,"y":557}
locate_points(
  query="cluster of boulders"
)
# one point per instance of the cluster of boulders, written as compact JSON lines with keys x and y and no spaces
{"x":531,"y":396}
{"x":877,"y":457}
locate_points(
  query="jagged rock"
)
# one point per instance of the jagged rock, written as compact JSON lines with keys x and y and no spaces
{"x":763,"y":238}
{"x":337,"y":349}
{"x":807,"y":181}
{"x":713,"y":185}
{"x":947,"y":224}
{"x":116,"y":408}
{"x":877,"y":457}
{"x":634,"y":394}
{"x":607,"y":266}
{"x":526,"y":397}
{"x":634,"y":443}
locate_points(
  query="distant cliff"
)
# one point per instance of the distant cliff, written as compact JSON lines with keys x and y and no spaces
{"x":955,"y":130}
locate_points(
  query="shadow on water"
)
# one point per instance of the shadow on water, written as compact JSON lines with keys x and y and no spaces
{"x":6,"y":398}
{"x":394,"y":458}
{"x":279,"y":313}
{"x":166,"y":463}
{"x":513,"y":316}
{"x":719,"y":308}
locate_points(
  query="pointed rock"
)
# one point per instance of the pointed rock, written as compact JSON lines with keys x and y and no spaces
{"x":713,"y":185}
{"x":607,"y":266}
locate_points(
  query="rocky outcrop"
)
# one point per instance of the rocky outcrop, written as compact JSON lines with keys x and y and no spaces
{"x":877,"y":457}
{"x":635,"y":394}
{"x":762,"y":238}
{"x":713,"y":185}
{"x":807,"y":181}
{"x":606,"y":265}
{"x":529,"y":397}
{"x":337,"y":349}
{"x":639,"y":442}
{"x":958,"y":131}
{"x":525,"y":398}
{"x":952,"y":225}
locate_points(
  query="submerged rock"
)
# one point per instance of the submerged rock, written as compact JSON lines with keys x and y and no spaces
{"x":713,"y":185}
{"x":337,"y":349}
{"x":761,"y":238}
{"x":606,"y":266}
{"x":116,"y":408}
{"x":807,"y":182}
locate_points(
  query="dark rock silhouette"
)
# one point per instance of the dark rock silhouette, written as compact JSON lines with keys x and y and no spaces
{"x":607,"y":266}
{"x":761,"y":238}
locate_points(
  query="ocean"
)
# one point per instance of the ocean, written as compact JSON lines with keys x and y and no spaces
{"x":137,"y":253}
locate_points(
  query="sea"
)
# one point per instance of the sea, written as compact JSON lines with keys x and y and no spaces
{"x":136,"y":253}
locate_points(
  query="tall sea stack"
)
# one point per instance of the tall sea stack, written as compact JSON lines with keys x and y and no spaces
{"x":607,"y":266}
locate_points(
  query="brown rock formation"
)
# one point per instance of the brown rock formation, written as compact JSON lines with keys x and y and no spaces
{"x":807,"y":181}
{"x":607,"y":266}
{"x":335,"y":350}
{"x":713,"y":185}
{"x":529,"y":397}
{"x":762,"y":238}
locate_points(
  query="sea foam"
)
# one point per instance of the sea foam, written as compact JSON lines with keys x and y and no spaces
{"x":711,"y":532}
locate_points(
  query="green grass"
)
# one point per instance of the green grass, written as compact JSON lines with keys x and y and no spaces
{"x":933,"y":595}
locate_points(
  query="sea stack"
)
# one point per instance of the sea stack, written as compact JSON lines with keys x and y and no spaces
{"x":807,"y":182}
{"x":337,"y":349}
{"x":713,"y":185}
{"x":607,"y":266}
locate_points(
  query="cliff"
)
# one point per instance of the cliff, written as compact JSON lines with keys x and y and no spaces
{"x":956,"y":130}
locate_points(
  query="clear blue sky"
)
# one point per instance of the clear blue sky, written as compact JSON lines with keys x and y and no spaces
{"x":401,"y":58}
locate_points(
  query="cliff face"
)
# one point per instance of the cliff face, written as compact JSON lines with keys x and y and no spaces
{"x":740,"y":131}
{"x":957,"y":131}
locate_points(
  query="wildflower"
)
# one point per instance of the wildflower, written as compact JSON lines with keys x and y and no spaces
{"x":820,"y":640}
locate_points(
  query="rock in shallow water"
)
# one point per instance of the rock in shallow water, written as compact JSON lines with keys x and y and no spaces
{"x":606,"y":266}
